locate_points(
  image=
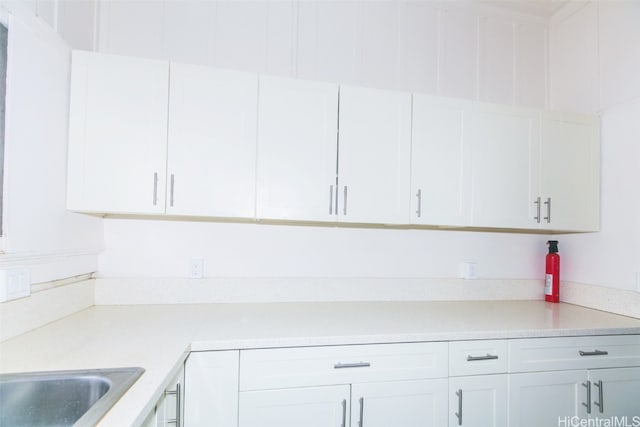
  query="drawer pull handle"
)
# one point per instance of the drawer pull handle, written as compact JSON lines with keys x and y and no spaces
{"x":593,"y":353}
{"x":351,"y":365}
{"x":459,"y":413}
{"x":471,"y":358}
{"x":600,"y":402}
{"x":178,"y":394}
{"x":588,"y":404}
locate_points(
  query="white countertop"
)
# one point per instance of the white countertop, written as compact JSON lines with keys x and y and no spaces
{"x":158,"y":337}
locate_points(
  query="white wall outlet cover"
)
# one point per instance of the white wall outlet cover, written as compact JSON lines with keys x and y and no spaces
{"x":468,"y":270}
{"x":196,"y":268}
{"x":14,"y":283}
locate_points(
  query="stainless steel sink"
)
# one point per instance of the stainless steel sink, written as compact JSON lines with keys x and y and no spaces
{"x":62,"y":398}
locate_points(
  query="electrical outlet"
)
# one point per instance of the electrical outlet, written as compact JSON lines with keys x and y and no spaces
{"x":196,"y":268}
{"x":14,"y":283}
{"x":468,"y":270}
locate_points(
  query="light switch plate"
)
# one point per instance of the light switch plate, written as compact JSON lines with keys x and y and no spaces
{"x":14,"y":283}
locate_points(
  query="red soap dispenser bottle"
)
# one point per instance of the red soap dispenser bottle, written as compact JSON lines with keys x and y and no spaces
{"x":552,"y":273}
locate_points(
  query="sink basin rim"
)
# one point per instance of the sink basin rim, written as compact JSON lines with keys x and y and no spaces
{"x":120,"y":379}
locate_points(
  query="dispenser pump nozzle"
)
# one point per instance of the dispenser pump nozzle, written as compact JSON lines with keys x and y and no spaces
{"x":553,"y":246}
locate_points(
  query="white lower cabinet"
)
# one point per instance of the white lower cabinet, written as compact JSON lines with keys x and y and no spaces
{"x":293,"y":407}
{"x":479,"y":383}
{"x":542,"y":398}
{"x":419,"y":403}
{"x":211,"y":395}
{"x":615,"y":393}
{"x":478,"y":400}
{"x":584,"y":377}
{"x":169,"y":409}
{"x":389,"y":404}
{"x":385,"y":385}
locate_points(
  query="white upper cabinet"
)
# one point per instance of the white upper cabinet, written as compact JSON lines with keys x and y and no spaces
{"x":374,"y":156}
{"x":502,"y":141}
{"x":212,"y":142}
{"x":146,"y":137}
{"x":297,"y":146}
{"x":569,"y":196}
{"x":440,"y":161}
{"x":117,"y":134}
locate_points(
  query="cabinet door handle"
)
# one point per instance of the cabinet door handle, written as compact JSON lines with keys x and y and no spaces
{"x":155,"y":188}
{"x":588,"y":404}
{"x":548,"y":203}
{"x":361,"y":419}
{"x":177,"y":392}
{"x":351,"y":365}
{"x":471,"y":358}
{"x":331,"y":200}
{"x":593,"y":353}
{"x":537,"y":203}
{"x":344,"y":413}
{"x":344,"y":205}
{"x":419,"y":196}
{"x":600,"y":402}
{"x":459,"y":413}
{"x":171,"y":191}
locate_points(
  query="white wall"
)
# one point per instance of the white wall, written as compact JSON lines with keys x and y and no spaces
{"x":595,"y":67}
{"x":39,"y":232}
{"x":448,"y":48}
{"x":136,"y":248}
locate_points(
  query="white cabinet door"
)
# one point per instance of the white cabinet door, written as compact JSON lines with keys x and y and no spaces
{"x":117,"y":134}
{"x":212,"y":142}
{"x":297,"y":149}
{"x":478,"y":401}
{"x":502,"y":169}
{"x":295,"y":407}
{"x":374,"y":156}
{"x":403,"y":404}
{"x":440,"y":161}
{"x":614,"y":393}
{"x":169,"y":409}
{"x":211,"y":381}
{"x":570,"y":172}
{"x":542,"y":398}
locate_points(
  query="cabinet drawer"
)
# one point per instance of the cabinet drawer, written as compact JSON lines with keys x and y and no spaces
{"x":546,"y":354}
{"x":304,"y":366}
{"x":477,"y":357}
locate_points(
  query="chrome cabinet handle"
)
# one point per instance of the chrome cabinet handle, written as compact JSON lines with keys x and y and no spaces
{"x":344,"y":413}
{"x":600,"y":402}
{"x":155,"y":188}
{"x":361,"y":419}
{"x":537,"y":203}
{"x":344,"y":206}
{"x":351,"y":365}
{"x":177,"y":392}
{"x":171,"y":191}
{"x":419,"y":196}
{"x":593,"y":353}
{"x":588,"y":404}
{"x":459,"y":413}
{"x":331,"y":200}
{"x":548,"y":203}
{"x":471,"y":358}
